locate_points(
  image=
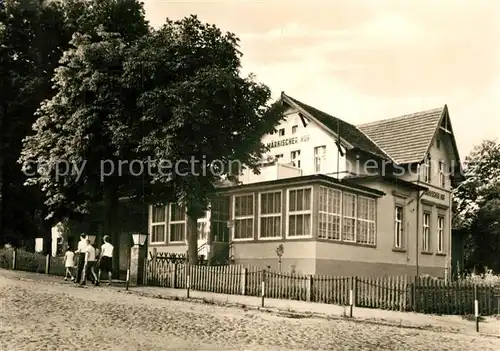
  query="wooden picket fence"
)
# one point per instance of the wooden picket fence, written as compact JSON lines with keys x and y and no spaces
{"x":423,"y":295}
{"x":391,"y":293}
{"x":31,"y":262}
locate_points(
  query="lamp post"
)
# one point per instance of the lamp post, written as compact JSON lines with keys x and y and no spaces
{"x":137,"y":255}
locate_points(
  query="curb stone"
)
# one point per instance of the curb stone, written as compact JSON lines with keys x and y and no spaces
{"x":295,"y":314}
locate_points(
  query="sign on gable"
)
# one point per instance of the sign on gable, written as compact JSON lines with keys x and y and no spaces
{"x":288,"y":141}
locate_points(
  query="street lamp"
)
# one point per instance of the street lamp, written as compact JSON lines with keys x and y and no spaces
{"x":91,"y":238}
{"x":139,"y":238}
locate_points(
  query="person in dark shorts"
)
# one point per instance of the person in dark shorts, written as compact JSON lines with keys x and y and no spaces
{"x":106,"y":260}
{"x":90,"y":264}
{"x":80,"y":256}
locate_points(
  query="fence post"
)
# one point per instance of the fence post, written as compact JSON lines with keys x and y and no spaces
{"x":174,"y":277}
{"x":243,"y":281}
{"x":188,"y":279}
{"x":309,"y":288}
{"x":351,"y":296}
{"x":415,"y":297}
{"x":263,"y":286}
{"x":145,"y":271}
{"x":154,"y":265}
{"x":14,"y":259}
{"x":476,"y":307}
{"x":47,"y":264}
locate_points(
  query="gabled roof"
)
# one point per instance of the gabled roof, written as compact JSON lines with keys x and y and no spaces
{"x":349,"y":133}
{"x":406,"y":138}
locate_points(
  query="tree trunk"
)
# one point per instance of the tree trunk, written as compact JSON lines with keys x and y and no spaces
{"x":192,"y":239}
{"x":2,"y":233}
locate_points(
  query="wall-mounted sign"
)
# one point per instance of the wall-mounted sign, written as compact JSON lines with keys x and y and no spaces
{"x":288,"y":141}
{"x":434,"y":194}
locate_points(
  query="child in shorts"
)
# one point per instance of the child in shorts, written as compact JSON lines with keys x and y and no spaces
{"x":69,"y":264}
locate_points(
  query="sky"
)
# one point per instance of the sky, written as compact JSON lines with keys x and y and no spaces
{"x":364,"y":60}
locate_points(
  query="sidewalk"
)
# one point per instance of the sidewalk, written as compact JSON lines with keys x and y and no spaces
{"x":490,"y":325}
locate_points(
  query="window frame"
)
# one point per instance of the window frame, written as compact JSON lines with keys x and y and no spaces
{"x":442,"y":180}
{"x":401,"y":222}
{"x":272,"y":215}
{"x":440,"y":234}
{"x":204,"y":221}
{"x":157,"y":224}
{"x":321,"y":157}
{"x":426,"y":232}
{"x":374,"y":221}
{"x":427,"y":169}
{"x":355,"y":217}
{"x":171,"y":222}
{"x":234,"y":218}
{"x":296,"y":159}
{"x":328,"y":214}
{"x":302,"y":212}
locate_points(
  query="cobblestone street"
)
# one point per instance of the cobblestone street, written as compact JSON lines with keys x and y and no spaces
{"x":36,"y":315}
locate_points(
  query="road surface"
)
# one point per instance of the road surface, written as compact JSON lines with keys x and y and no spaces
{"x":39,"y":315}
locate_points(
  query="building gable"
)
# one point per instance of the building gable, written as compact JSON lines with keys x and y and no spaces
{"x":348,"y":135}
{"x":444,"y":146}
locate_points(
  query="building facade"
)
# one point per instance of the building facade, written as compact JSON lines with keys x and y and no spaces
{"x":365,"y":200}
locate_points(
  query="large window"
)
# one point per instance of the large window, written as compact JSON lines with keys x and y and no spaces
{"x":365,"y":229}
{"x":295,"y":156}
{"x":219,"y":217}
{"x":329,"y":213}
{"x":426,"y":232}
{"x":299,"y":212}
{"x":177,"y":224}
{"x":158,"y":224}
{"x":270,"y":215}
{"x":349,"y":217}
{"x":440,"y":234}
{"x":399,"y":227}
{"x":319,"y":158}
{"x":243,"y":217}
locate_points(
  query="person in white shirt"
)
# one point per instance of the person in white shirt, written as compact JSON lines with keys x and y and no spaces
{"x":90,"y":260}
{"x":80,"y":253}
{"x":69,"y":264}
{"x":106,"y":259}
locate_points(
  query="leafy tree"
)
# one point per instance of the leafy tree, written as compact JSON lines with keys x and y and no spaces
{"x":175,"y":95}
{"x":28,"y":54}
{"x":477,"y":203}
{"x":34,"y":35}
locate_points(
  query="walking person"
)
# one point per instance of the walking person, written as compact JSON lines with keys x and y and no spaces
{"x":80,"y":253}
{"x":89,"y":266}
{"x":69,"y":264}
{"x":106,"y":259}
